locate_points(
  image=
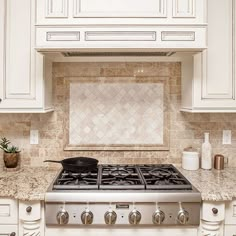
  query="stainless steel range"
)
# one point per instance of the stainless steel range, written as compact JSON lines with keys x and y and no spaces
{"x":123,"y":196}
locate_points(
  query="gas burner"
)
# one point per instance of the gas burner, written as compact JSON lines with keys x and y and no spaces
{"x":161,"y":173}
{"x":121,"y":171}
{"x":140,"y":177}
{"x":122,"y":182}
{"x":84,"y":180}
{"x":120,"y":177}
{"x":164,"y":177}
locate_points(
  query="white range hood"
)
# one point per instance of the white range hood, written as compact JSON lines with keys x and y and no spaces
{"x":134,"y":38}
{"x":160,"y":25}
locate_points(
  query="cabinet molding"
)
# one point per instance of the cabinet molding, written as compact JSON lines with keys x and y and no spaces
{"x":120,"y":36}
{"x":8,"y":211}
{"x":178,"y":36}
{"x":31,"y":228}
{"x":184,"y":8}
{"x":63,"y":36}
{"x":56,"y":8}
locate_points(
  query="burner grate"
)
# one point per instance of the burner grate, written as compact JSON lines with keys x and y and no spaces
{"x":164,"y":177}
{"x":120,"y":177}
{"x":72,"y":181}
{"x":124,"y":177}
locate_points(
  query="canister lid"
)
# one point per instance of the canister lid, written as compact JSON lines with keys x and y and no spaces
{"x":190,"y":149}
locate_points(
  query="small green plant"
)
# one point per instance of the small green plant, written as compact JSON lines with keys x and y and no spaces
{"x":4,"y":145}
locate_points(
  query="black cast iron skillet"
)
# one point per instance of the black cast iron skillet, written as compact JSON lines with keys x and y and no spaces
{"x":77,"y":164}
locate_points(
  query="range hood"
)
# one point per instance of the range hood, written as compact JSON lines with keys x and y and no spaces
{"x":117,"y":54}
{"x":156,"y":40}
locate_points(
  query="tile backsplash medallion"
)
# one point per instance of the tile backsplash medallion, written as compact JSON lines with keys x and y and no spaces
{"x":185,"y":129}
{"x":116,"y":113}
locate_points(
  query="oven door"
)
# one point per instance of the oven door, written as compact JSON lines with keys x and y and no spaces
{"x":118,"y":231}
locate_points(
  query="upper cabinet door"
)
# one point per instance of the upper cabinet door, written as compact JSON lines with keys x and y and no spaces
{"x":119,"y":8}
{"x":214,"y":84}
{"x":18,"y":51}
{"x":57,"y":8}
{"x":21,"y":67}
{"x":184,"y":8}
{"x":56,"y":12}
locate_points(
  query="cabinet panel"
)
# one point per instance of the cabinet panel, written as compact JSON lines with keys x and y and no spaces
{"x":230,"y":217}
{"x":213,"y":86}
{"x":213,"y":211}
{"x":184,"y":8}
{"x":21,"y":67}
{"x":2,"y":45}
{"x":158,"y":231}
{"x":230,"y":230}
{"x":18,"y":51}
{"x":119,"y":8}
{"x":8,"y":211}
{"x":8,"y":230}
{"x":120,"y":36}
{"x":57,"y":8}
{"x":218,"y":74}
{"x":177,"y":35}
{"x":29,"y":210}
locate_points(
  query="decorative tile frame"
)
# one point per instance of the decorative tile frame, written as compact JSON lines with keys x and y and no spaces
{"x":162,"y":81}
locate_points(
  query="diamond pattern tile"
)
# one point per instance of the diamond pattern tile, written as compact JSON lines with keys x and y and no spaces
{"x":116,"y":113}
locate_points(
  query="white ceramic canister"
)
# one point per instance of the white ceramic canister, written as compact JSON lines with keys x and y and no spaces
{"x":190,"y":160}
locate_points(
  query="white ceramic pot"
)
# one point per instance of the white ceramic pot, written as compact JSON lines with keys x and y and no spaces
{"x":190,"y":160}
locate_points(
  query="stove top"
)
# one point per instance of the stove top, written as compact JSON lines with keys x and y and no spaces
{"x":123,"y":195}
{"x":124,"y":177}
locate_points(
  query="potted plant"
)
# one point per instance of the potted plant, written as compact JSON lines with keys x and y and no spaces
{"x":11,"y":153}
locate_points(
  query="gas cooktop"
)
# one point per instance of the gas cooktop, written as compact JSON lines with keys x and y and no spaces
{"x":127,"y":195}
{"x":124,"y":177}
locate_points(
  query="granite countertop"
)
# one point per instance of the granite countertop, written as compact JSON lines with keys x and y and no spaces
{"x":214,"y":185}
{"x":31,"y":183}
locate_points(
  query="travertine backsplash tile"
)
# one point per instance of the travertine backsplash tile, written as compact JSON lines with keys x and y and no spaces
{"x":116,"y":113}
{"x":185,"y":129}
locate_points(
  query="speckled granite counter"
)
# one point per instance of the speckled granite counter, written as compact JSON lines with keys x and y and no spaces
{"x":31,"y":183}
{"x":214,"y":185}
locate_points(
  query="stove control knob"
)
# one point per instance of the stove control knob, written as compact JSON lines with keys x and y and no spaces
{"x":183,"y":217}
{"x":110,"y":217}
{"x":135,"y":217}
{"x":87,"y":217}
{"x":62,"y":217}
{"x":158,"y":217}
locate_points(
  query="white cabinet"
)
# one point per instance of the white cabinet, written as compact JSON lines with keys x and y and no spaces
{"x":230,"y":218}
{"x":8,"y":230}
{"x":31,"y":218}
{"x":212,"y":217}
{"x":213,"y":86}
{"x":230,"y":230}
{"x":121,"y":24}
{"x":61,"y":12}
{"x":23,"y":83}
{"x":8,"y":217}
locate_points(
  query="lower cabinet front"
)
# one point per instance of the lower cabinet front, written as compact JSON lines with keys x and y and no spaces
{"x":8,"y":230}
{"x":65,"y":231}
{"x":230,"y":230}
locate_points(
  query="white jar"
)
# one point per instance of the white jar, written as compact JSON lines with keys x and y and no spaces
{"x":190,"y":160}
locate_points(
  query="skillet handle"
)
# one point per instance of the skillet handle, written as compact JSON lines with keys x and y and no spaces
{"x":52,"y":161}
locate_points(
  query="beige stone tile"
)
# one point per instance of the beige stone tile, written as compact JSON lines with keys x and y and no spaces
{"x":185,"y":128}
